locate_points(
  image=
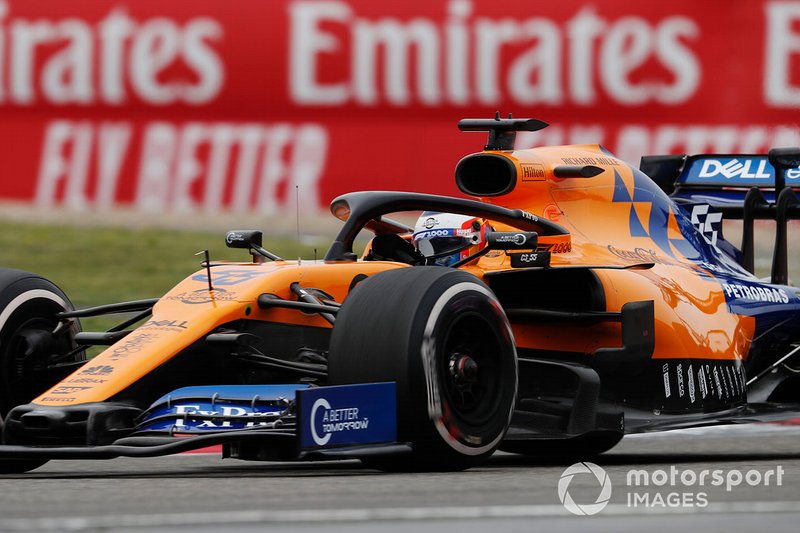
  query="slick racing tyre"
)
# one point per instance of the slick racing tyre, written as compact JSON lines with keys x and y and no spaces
{"x":441,"y":335}
{"x":28,"y":345}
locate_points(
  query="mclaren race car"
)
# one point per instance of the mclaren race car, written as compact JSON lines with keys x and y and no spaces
{"x":603,"y":300}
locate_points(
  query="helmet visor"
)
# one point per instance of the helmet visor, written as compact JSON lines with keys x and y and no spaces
{"x":438,"y":246}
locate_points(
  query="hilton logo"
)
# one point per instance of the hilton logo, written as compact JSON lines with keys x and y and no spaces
{"x":532,"y":172}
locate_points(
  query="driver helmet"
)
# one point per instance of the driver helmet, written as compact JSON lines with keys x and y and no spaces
{"x":445,"y":238}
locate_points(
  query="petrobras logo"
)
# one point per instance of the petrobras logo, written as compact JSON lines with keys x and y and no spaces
{"x":325,"y":421}
{"x":736,"y":171}
{"x":743,"y":297}
{"x":755,"y":293}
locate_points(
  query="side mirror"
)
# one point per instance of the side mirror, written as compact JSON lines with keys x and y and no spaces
{"x":243,"y":239}
{"x":249,"y":239}
{"x":512,"y":240}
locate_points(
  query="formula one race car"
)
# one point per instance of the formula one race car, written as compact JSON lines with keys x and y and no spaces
{"x":600,"y":302}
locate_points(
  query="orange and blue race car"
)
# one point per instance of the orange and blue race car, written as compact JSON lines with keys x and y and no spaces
{"x":582,"y":299}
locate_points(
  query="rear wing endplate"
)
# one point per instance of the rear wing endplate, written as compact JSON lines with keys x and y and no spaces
{"x":741,"y":186}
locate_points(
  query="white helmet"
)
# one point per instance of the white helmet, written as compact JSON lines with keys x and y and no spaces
{"x":445,"y":238}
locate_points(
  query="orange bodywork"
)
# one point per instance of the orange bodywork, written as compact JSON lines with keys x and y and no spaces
{"x":190,"y":311}
{"x":692,"y":318}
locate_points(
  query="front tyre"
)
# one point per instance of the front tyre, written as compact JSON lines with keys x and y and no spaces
{"x":442,"y":336}
{"x":31,"y":347}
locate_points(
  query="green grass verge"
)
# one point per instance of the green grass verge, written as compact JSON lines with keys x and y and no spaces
{"x":96,"y":265}
{"x":104,"y":265}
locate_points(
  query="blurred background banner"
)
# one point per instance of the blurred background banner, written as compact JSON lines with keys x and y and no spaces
{"x":213,"y":106}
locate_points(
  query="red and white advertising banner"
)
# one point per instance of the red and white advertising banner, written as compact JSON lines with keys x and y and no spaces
{"x":231,"y":105}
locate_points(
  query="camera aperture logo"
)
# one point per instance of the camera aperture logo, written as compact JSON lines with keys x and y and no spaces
{"x":662,"y":488}
{"x":584,"y":509}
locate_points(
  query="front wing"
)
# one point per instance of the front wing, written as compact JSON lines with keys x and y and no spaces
{"x":252,"y":421}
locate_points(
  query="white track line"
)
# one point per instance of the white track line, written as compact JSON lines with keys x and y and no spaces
{"x":743,"y":430}
{"x":332,"y":516}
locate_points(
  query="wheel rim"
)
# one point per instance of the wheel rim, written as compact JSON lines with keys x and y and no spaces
{"x":26,"y":348}
{"x":471,"y":370}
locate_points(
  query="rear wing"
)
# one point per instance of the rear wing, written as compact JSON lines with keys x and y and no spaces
{"x":741,"y":186}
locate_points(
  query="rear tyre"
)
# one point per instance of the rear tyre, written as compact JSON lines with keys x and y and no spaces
{"x":28,"y":346}
{"x":441,"y":335}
